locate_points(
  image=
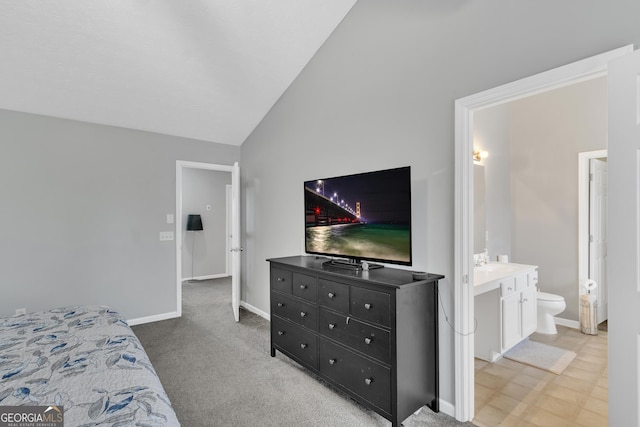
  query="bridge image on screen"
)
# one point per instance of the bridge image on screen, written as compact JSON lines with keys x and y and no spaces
{"x":364,"y":216}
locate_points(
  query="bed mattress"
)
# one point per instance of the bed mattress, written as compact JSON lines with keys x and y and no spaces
{"x":86,"y":359}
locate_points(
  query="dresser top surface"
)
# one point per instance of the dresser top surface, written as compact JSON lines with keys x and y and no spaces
{"x":386,"y":276}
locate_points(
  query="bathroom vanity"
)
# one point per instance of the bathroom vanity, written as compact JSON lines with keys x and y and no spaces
{"x":505,"y":307}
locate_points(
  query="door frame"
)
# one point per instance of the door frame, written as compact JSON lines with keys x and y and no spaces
{"x":180,"y":166}
{"x":576,"y":72}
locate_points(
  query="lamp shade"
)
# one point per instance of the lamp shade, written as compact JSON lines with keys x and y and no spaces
{"x":194,"y":223}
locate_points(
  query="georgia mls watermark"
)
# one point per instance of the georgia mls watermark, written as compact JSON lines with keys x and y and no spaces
{"x":31,"y":416}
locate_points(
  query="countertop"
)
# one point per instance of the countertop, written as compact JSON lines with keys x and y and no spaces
{"x":488,"y":277}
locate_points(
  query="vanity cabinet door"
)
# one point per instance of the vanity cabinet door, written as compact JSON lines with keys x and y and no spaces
{"x":529,"y":311}
{"x":510,"y":321}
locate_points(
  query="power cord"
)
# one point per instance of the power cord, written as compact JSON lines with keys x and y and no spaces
{"x":446,"y":317}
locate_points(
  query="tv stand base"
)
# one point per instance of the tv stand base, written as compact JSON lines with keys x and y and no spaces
{"x":351,"y":264}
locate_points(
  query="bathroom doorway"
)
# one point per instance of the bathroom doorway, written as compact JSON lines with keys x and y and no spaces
{"x":463,"y":293}
{"x":532,"y":202}
{"x":532,"y":215}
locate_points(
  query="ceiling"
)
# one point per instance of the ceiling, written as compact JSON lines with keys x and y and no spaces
{"x":207,"y":69}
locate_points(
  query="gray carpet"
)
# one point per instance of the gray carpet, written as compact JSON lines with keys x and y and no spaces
{"x":220,"y":373}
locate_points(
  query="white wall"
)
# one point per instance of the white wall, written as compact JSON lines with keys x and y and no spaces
{"x":380,"y":93}
{"x":81,"y":209}
{"x":204,"y":253}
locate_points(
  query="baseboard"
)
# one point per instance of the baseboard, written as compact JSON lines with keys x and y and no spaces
{"x":568,"y":323}
{"x":447,"y":408}
{"x":208,"y":277}
{"x":154,"y":318}
{"x":174,"y":314}
{"x":255,"y":310}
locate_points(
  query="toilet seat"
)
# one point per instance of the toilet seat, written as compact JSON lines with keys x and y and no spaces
{"x":543,"y":296}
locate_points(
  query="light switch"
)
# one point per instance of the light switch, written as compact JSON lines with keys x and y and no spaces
{"x":169,"y":218}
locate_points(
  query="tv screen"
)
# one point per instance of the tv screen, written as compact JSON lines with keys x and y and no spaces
{"x":366,"y":216}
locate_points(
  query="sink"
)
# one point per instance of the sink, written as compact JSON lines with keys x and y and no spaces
{"x":497,"y":266}
{"x":487,"y":277}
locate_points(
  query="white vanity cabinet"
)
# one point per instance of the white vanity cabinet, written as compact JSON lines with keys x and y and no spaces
{"x":506,"y":312}
{"x":519,"y":311}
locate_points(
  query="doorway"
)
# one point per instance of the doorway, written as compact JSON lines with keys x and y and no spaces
{"x":235,"y":228}
{"x":463,"y":252}
{"x":592,"y":237}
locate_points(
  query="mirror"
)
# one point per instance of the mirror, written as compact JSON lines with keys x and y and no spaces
{"x":479,"y":210}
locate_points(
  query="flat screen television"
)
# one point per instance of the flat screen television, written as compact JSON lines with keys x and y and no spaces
{"x":360,"y":217}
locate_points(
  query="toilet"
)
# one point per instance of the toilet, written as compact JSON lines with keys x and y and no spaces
{"x":548,"y":306}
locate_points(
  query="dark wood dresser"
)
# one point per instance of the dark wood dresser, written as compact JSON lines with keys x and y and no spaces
{"x":372,"y":334}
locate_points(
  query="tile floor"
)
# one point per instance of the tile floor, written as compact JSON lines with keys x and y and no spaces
{"x":508,"y":393}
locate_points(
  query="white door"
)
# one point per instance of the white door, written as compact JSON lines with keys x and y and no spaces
{"x":598,"y":232}
{"x":623,"y":272}
{"x":235,"y":241}
{"x":229,"y":198}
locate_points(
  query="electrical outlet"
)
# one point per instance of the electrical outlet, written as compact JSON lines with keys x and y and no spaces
{"x":21,"y":311}
{"x":166,"y":235}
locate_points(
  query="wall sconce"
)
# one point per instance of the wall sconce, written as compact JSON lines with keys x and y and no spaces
{"x":478,"y":155}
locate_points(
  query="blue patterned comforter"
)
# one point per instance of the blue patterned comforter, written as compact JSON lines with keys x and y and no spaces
{"x":86,"y":359}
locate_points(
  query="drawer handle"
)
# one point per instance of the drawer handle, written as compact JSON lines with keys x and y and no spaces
{"x":509,"y":288}
{"x":331,"y":295}
{"x":368,"y":381}
{"x":303,"y":286}
{"x":280,"y":304}
{"x":281,"y":279}
{"x":367,"y":306}
{"x":333,"y":361}
{"x":302,"y":314}
{"x":332,"y":325}
{"x":280,"y":332}
{"x":303,"y":346}
{"x":368,"y":340}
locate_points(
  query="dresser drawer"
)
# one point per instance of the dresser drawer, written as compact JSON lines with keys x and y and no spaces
{"x":295,"y":340}
{"x":333,"y":295}
{"x":298,"y":311}
{"x":372,"y":341}
{"x":305,"y":287}
{"x":371,"y":305}
{"x":281,"y":280}
{"x":369,"y":380}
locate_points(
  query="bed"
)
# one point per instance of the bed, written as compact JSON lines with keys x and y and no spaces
{"x":86,"y":359}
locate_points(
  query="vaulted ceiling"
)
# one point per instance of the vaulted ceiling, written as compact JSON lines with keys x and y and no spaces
{"x":202,"y":69}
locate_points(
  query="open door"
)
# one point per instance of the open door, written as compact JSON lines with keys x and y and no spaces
{"x":624,"y":240}
{"x":236,"y":249}
{"x":598,"y":232}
